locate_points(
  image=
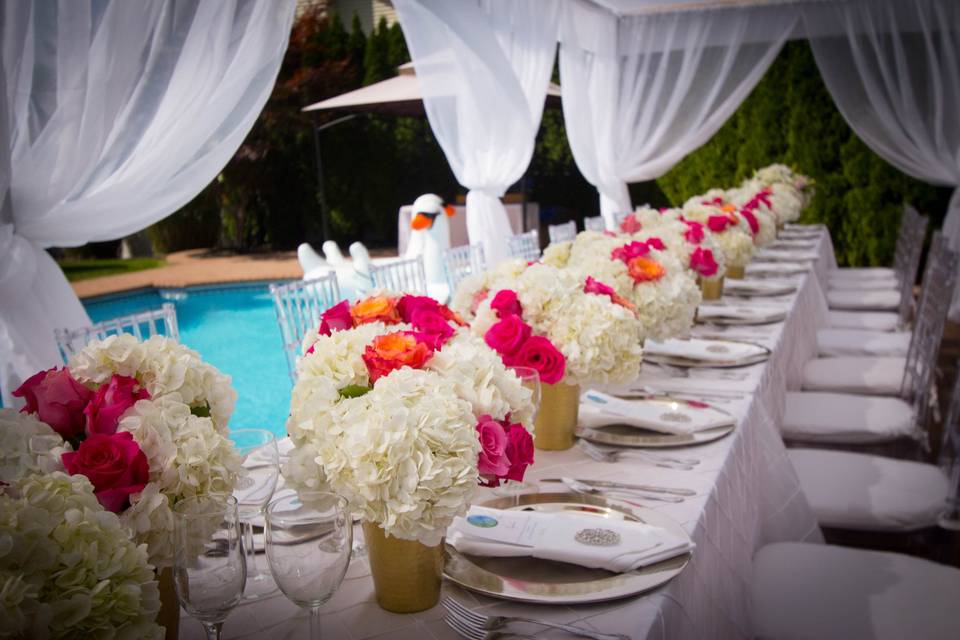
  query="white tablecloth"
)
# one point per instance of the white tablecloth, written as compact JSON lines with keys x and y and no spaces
{"x":747,"y":496}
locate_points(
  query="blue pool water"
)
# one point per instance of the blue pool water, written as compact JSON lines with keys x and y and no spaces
{"x":234,"y":328}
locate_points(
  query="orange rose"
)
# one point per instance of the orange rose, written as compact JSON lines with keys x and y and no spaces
{"x":728,"y":208}
{"x":643,"y":269}
{"x":395,"y":351}
{"x":376,"y":309}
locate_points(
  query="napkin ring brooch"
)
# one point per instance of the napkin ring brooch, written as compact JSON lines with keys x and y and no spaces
{"x":675,"y":416}
{"x":718,"y":348}
{"x":598,"y":537}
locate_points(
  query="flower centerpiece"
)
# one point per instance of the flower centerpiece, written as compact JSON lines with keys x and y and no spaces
{"x":403,"y":411}
{"x":731,"y":230}
{"x":642,"y":271}
{"x":755,"y":208}
{"x":144,"y":422}
{"x":571,"y":328}
{"x":789,"y":192}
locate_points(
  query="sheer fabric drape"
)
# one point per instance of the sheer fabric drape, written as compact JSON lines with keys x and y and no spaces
{"x":483,"y":69}
{"x":112,"y":115}
{"x":641,"y":92}
{"x":893,"y":69}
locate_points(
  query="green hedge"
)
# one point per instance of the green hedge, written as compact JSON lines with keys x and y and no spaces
{"x":790,"y":117}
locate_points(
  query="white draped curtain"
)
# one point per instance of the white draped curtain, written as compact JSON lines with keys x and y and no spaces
{"x":483,"y":68}
{"x":640,"y":92}
{"x":893,"y":69}
{"x":113,"y":114}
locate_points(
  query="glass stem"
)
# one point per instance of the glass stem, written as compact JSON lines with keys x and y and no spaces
{"x":315,"y":623}
{"x":214,"y":630}
{"x":251,"y":551}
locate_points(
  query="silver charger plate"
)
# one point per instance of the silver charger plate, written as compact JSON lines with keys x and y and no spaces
{"x":746,"y":292}
{"x":628,"y":436}
{"x":778,"y":269}
{"x":769,"y":318}
{"x":550,"y":582}
{"x":744,"y":361}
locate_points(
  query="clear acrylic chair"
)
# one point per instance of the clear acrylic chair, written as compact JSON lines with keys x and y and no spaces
{"x":143,"y":325}
{"x":949,"y":460}
{"x":910,"y":262}
{"x":525,"y":245}
{"x":460,"y":262}
{"x":595,"y":223}
{"x":565,"y":232}
{"x":407,"y":275}
{"x":299,"y":305}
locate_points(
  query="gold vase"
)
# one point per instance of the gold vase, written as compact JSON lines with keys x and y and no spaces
{"x":735,"y":272}
{"x":406,"y":573}
{"x":169,"y":615}
{"x":557,"y":418}
{"x":711,"y":289}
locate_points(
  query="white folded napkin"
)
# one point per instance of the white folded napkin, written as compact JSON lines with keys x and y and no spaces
{"x":598,"y":409}
{"x":786,"y":255}
{"x":702,"y":350}
{"x":779,"y":268}
{"x":756,"y":312}
{"x":758,"y":286}
{"x":589,"y":541}
{"x":798,"y":243}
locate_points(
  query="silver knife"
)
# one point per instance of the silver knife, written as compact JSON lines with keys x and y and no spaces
{"x":606,"y":484}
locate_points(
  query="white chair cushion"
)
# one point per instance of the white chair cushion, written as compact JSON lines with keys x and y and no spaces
{"x":865,"y":376}
{"x":863,"y":273}
{"x":869,"y":320}
{"x":845,"y":419}
{"x":850,"y":342}
{"x":855,"y":299}
{"x":846,"y":283}
{"x":831,"y":593}
{"x":870,"y":493}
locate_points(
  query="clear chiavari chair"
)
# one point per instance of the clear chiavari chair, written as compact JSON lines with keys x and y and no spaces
{"x":525,"y":245}
{"x":906,"y":268}
{"x":407,"y":275}
{"x":949,"y":460}
{"x":142,"y":325}
{"x":565,"y":232}
{"x":299,"y":306}
{"x":460,"y":262}
{"x":594,"y":223}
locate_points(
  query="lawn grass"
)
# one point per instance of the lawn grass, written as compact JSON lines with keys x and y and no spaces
{"x":96,"y":268}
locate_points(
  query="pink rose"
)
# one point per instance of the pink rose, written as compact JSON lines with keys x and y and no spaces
{"x":336,"y":318}
{"x":718,"y":224}
{"x":507,"y":335}
{"x":703,"y":262}
{"x":751,"y":220}
{"x":656,"y":243}
{"x":630,"y":224}
{"x":57,"y":399}
{"x":109,"y":403}
{"x":506,"y":303}
{"x":408,"y":305}
{"x":493,"y":462}
{"x":540,"y":354}
{"x":595,"y":286}
{"x":114,"y":465}
{"x":694,"y":232}
{"x":629,"y":251}
{"x":431,"y":322}
{"x":519,"y":451}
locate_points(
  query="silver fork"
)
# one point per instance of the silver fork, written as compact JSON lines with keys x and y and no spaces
{"x":477,"y":626}
{"x":601,"y":454}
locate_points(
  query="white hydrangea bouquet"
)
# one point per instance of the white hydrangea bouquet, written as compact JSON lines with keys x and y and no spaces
{"x":68,"y":568}
{"x":653,"y":280}
{"x":144,"y":422}
{"x":573,"y":329}
{"x":788,"y":192}
{"x":731,"y":230}
{"x":402,"y":410}
{"x":696,"y":249}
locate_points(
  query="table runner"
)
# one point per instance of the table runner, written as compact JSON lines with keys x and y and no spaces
{"x":747,"y":495}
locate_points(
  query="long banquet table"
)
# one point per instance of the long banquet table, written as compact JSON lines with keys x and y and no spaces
{"x":747,"y":496}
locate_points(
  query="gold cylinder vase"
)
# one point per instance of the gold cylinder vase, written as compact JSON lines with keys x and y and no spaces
{"x":735,"y":272}
{"x":557,"y":418}
{"x":406,"y":573}
{"x":711,"y":289}
{"x":169,"y":615}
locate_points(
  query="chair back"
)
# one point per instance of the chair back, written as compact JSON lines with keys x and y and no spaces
{"x":949,"y":460}
{"x":565,"y":232}
{"x":938,"y":282}
{"x":911,"y":261}
{"x":908,"y":226}
{"x":407,"y":275}
{"x":595,"y":223}
{"x":143,"y":325}
{"x":299,"y":305}
{"x":460,"y":262}
{"x":525,"y":245}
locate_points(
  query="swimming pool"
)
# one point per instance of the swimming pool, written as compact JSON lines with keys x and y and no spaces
{"x":234,"y":328}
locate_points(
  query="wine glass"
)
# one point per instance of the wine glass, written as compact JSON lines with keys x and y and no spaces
{"x":308,"y":548}
{"x":530,"y":378}
{"x":261,"y":461}
{"x":208,"y":564}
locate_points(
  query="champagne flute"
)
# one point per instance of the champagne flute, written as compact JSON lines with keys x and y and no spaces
{"x":530,"y":378}
{"x":261,"y":461}
{"x":308,"y":548}
{"x":208,"y":564}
